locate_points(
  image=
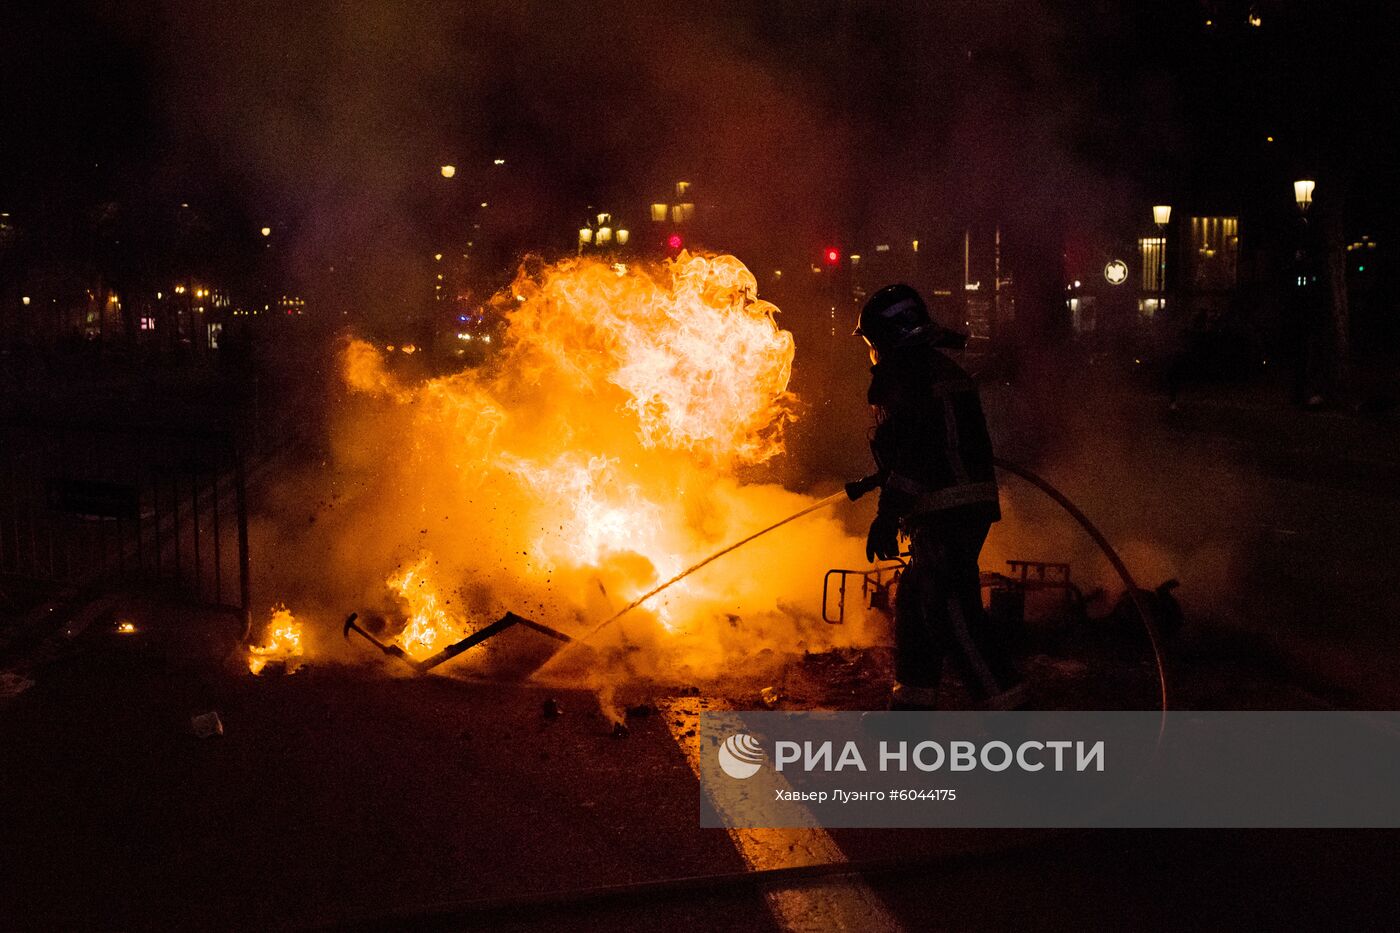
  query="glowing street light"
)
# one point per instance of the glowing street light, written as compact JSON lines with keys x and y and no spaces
{"x":448,"y":171}
{"x":266,"y":231}
{"x":622,"y":235}
{"x":1161,"y":214}
{"x":1303,"y":193}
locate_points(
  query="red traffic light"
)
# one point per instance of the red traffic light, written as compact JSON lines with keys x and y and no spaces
{"x":833,"y":256}
{"x":674,"y":241}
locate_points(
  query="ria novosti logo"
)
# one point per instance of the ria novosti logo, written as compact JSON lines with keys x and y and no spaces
{"x":740,"y":756}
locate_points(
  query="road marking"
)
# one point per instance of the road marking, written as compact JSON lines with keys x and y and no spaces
{"x":836,"y":903}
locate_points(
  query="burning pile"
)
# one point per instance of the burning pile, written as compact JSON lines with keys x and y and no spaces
{"x":283,"y":645}
{"x":597,"y":455}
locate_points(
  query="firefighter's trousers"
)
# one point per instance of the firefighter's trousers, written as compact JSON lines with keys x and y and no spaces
{"x":938,"y":610}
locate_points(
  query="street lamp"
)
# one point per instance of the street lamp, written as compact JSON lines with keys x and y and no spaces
{"x":448,"y":171}
{"x":1305,"y":259}
{"x":1303,"y":192}
{"x":1161,"y":214}
{"x":602,"y":234}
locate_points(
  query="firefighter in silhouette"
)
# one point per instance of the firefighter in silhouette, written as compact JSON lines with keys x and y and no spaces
{"x":937,"y":483}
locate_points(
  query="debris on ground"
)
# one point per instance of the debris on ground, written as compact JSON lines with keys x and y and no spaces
{"x":1059,"y":667}
{"x":207,"y":724}
{"x":12,"y":684}
{"x":620,"y":730}
{"x":281,"y":667}
{"x":552,"y":709}
{"x":769,"y":697}
{"x":1160,"y":603}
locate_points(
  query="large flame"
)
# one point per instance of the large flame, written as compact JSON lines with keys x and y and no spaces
{"x":593,"y":458}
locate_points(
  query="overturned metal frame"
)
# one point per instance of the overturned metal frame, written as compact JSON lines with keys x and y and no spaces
{"x":509,"y":620}
{"x":877,"y":582}
{"x":875,"y":585}
{"x":1031,"y":576}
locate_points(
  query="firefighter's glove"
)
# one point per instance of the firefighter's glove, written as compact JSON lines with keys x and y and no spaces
{"x":857,"y":488}
{"x":883,"y":541}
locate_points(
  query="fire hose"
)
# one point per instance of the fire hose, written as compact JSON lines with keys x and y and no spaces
{"x":1144,"y":614}
{"x":834,"y":497}
{"x":855,"y":490}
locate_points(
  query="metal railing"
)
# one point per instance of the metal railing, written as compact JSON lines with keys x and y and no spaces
{"x":126,"y":507}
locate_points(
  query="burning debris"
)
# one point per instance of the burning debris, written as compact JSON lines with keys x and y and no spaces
{"x":423,"y":664}
{"x":283,"y":649}
{"x":430,"y":627}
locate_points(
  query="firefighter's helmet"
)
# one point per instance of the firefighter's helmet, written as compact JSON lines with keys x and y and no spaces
{"x":895,"y":316}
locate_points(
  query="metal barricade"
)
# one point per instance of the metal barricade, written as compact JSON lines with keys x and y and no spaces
{"x":126,"y":507}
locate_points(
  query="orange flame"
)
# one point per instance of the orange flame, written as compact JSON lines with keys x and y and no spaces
{"x":595,"y":457}
{"x":283,"y":641}
{"x":430,"y":627}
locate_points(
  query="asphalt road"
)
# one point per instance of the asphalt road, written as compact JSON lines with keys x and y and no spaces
{"x":350,"y":796}
{"x":347,"y":795}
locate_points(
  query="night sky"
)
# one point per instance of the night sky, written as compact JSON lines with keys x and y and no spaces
{"x":802,"y":119}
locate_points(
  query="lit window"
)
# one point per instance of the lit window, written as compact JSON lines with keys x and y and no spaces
{"x":1154,"y":256}
{"x":1215,"y":244}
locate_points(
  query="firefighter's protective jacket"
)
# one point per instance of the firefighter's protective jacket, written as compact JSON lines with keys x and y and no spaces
{"x":931,"y":446}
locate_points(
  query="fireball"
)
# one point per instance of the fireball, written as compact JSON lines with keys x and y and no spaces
{"x":597,"y":455}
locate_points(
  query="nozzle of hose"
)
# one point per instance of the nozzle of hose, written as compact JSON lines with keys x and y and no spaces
{"x":857,"y":488}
